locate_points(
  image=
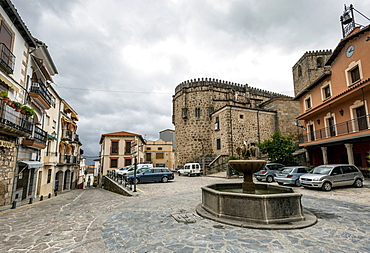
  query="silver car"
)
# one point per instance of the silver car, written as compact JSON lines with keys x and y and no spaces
{"x":291,"y":175}
{"x":332,"y":175}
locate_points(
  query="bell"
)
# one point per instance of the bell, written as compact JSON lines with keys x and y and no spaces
{"x":346,"y":18}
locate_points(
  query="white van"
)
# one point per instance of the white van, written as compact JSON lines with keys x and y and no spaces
{"x":190,"y":169}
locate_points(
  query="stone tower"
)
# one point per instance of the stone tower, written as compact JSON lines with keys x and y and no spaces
{"x":310,"y":67}
{"x":196,"y":106}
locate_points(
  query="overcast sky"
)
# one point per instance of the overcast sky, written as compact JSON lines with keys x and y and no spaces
{"x":119,"y":61}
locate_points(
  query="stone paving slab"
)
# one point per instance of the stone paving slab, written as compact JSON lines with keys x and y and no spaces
{"x":96,"y":220}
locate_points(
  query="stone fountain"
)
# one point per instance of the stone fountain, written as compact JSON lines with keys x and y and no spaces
{"x":246,"y":204}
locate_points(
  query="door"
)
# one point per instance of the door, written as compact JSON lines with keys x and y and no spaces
{"x":337,"y":177}
{"x":361,"y":118}
{"x":331,"y":125}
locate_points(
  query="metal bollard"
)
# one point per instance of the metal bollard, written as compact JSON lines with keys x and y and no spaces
{"x":14,"y":205}
{"x":30,"y":201}
{"x":49,"y":196}
{"x":41,"y":198}
{"x":56,"y":194}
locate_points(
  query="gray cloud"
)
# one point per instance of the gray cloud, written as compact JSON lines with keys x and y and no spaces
{"x":120,"y":61}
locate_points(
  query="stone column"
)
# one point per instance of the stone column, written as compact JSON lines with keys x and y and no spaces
{"x":349,"y":147}
{"x":324,"y":151}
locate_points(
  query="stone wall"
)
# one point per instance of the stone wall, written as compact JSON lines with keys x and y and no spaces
{"x":7,"y":167}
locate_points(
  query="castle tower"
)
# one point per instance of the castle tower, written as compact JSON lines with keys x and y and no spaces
{"x":309,"y":68}
{"x":194,"y":104}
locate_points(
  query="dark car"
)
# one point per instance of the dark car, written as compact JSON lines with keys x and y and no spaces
{"x":291,"y":175}
{"x":152,"y":175}
{"x":267,"y":173}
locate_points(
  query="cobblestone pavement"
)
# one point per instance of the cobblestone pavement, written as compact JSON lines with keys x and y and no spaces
{"x":162,"y":218}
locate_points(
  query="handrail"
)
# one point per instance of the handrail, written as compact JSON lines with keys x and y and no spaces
{"x":350,"y":126}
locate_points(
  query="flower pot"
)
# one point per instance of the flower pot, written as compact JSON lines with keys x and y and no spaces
{"x":23,"y":112}
{"x":5,"y":99}
{"x":17,"y":109}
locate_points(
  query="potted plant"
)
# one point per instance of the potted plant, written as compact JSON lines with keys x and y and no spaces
{"x":11,"y":103}
{"x":17,"y":106}
{"x":4,"y":95}
{"x":30,"y":112}
{"x":24,"y":109}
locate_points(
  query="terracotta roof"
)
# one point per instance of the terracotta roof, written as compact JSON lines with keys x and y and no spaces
{"x":123,"y":133}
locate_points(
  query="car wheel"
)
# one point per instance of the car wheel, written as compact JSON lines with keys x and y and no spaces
{"x":164,"y":179}
{"x":179,"y":173}
{"x":280,"y":183}
{"x":297,"y":183}
{"x":358,"y":183}
{"x":269,"y":179}
{"x":326,"y":186}
{"x":189,"y":175}
{"x":137,"y":180}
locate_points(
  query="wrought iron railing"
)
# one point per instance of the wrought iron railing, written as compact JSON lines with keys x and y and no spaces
{"x":347,"y":127}
{"x":67,"y":134}
{"x":40,"y":88}
{"x":16,"y":120}
{"x":7,"y":58}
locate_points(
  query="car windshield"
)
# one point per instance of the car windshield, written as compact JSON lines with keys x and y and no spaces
{"x":137,"y":171}
{"x":321,"y":170}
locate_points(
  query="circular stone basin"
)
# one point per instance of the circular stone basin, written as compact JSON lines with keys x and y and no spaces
{"x":271,"y":207}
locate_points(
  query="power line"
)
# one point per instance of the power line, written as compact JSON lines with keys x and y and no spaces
{"x":124,"y":91}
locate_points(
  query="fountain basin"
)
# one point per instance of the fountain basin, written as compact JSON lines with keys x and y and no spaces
{"x":279,"y":209}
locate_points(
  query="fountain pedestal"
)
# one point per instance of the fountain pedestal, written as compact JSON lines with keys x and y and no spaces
{"x":247,"y":167}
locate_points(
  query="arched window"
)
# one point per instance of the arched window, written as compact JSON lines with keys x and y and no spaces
{"x":320,"y":62}
{"x":299,"y":71}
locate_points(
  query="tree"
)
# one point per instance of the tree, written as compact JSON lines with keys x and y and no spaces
{"x":279,"y":148}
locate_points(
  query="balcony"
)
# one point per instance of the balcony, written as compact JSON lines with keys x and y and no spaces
{"x":348,"y":128}
{"x":51,"y":158}
{"x":14,"y":123}
{"x":67,"y":135}
{"x":42,"y":96}
{"x":37,"y":139}
{"x":69,"y":159}
{"x":7,"y":59}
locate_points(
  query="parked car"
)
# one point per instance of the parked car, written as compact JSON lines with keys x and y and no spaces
{"x":291,"y":175}
{"x":267,"y":173}
{"x":132,"y":167}
{"x":151,"y":175}
{"x":333,"y":175}
{"x":123,"y":170}
{"x":190,"y":169}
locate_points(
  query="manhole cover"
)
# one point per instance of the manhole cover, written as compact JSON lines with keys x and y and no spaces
{"x":185,"y":217}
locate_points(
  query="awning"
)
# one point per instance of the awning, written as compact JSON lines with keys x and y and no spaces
{"x":32,"y":164}
{"x":9,"y":83}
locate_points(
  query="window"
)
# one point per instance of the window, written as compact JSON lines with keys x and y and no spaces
{"x":114,"y":162}
{"x":311,"y":134}
{"x":159,"y":156}
{"x":160,"y":148}
{"x":299,"y":71}
{"x":128,"y":161}
{"x":326,"y":92}
{"x":6,"y":36}
{"x":218,"y":144}
{"x":320,"y":62}
{"x":148,"y":157}
{"x":241,"y":116}
{"x":114,"y":147}
{"x":49,"y":176}
{"x":355,"y":74}
{"x":331,"y":127}
{"x":197,"y":112}
{"x":307,"y":103}
{"x":148,"y":148}
{"x":217,"y":123}
{"x":184,"y":113}
{"x":128,"y":147}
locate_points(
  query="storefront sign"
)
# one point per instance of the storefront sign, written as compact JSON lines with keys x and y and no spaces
{"x":6,"y":144}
